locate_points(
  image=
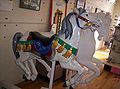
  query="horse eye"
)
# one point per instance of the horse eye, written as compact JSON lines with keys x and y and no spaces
{"x":86,"y":14}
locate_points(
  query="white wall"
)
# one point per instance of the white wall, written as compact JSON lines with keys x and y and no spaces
{"x":25,"y":20}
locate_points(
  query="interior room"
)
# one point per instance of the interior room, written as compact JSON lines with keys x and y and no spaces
{"x":59,"y":44}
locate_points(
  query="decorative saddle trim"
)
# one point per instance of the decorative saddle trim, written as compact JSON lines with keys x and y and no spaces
{"x":34,"y":46}
{"x":25,"y":42}
{"x":26,"y":46}
{"x":66,"y":45}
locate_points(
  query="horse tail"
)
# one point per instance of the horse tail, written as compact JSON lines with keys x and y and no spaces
{"x":16,"y":38}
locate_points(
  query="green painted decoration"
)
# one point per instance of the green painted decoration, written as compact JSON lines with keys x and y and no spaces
{"x":25,"y":42}
{"x":67,"y":46}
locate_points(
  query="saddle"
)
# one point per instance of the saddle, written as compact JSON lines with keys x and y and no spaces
{"x":45,"y":40}
{"x":42,"y":44}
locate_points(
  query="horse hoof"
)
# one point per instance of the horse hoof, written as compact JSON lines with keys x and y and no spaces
{"x":71,"y":87}
{"x":64,"y":84}
{"x":24,"y":77}
{"x":33,"y":77}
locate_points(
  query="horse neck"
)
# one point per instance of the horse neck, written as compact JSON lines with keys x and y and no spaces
{"x":73,"y":41}
{"x":87,"y":35}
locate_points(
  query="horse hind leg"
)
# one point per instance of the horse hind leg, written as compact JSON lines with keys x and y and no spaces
{"x":84,"y":81}
{"x":98,"y":63}
{"x":96,"y":73}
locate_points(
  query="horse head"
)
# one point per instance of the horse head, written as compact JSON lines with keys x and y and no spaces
{"x":102,"y":21}
{"x":104,"y":28}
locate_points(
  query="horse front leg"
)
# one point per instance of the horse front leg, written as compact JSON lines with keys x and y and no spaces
{"x":51,"y":75}
{"x":23,"y":67}
{"x":33,"y":70}
{"x":22,"y":62}
{"x":75,"y":66}
{"x":26,"y":63}
{"x":32,"y":67}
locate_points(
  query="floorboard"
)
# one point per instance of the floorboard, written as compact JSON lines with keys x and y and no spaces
{"x":106,"y":80}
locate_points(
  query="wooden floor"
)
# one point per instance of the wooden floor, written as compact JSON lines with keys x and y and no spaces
{"x":106,"y":80}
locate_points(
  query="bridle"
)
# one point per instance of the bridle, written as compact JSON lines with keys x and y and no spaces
{"x":88,"y":22}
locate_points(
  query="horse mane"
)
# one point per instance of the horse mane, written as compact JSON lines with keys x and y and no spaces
{"x":66,"y":27}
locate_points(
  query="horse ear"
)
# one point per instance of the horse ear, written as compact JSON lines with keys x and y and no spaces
{"x":75,"y":10}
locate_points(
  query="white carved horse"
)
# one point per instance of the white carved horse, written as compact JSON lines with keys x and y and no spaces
{"x":86,"y":46}
{"x":80,"y":39}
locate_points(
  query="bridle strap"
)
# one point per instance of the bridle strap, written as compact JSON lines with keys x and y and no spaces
{"x":84,"y":19}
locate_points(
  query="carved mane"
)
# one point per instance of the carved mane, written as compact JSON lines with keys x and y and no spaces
{"x":66,"y":27}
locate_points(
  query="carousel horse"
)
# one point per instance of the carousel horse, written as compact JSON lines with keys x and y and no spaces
{"x":25,"y":58}
{"x":86,"y":47}
{"x":72,"y":47}
{"x":25,"y":52}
